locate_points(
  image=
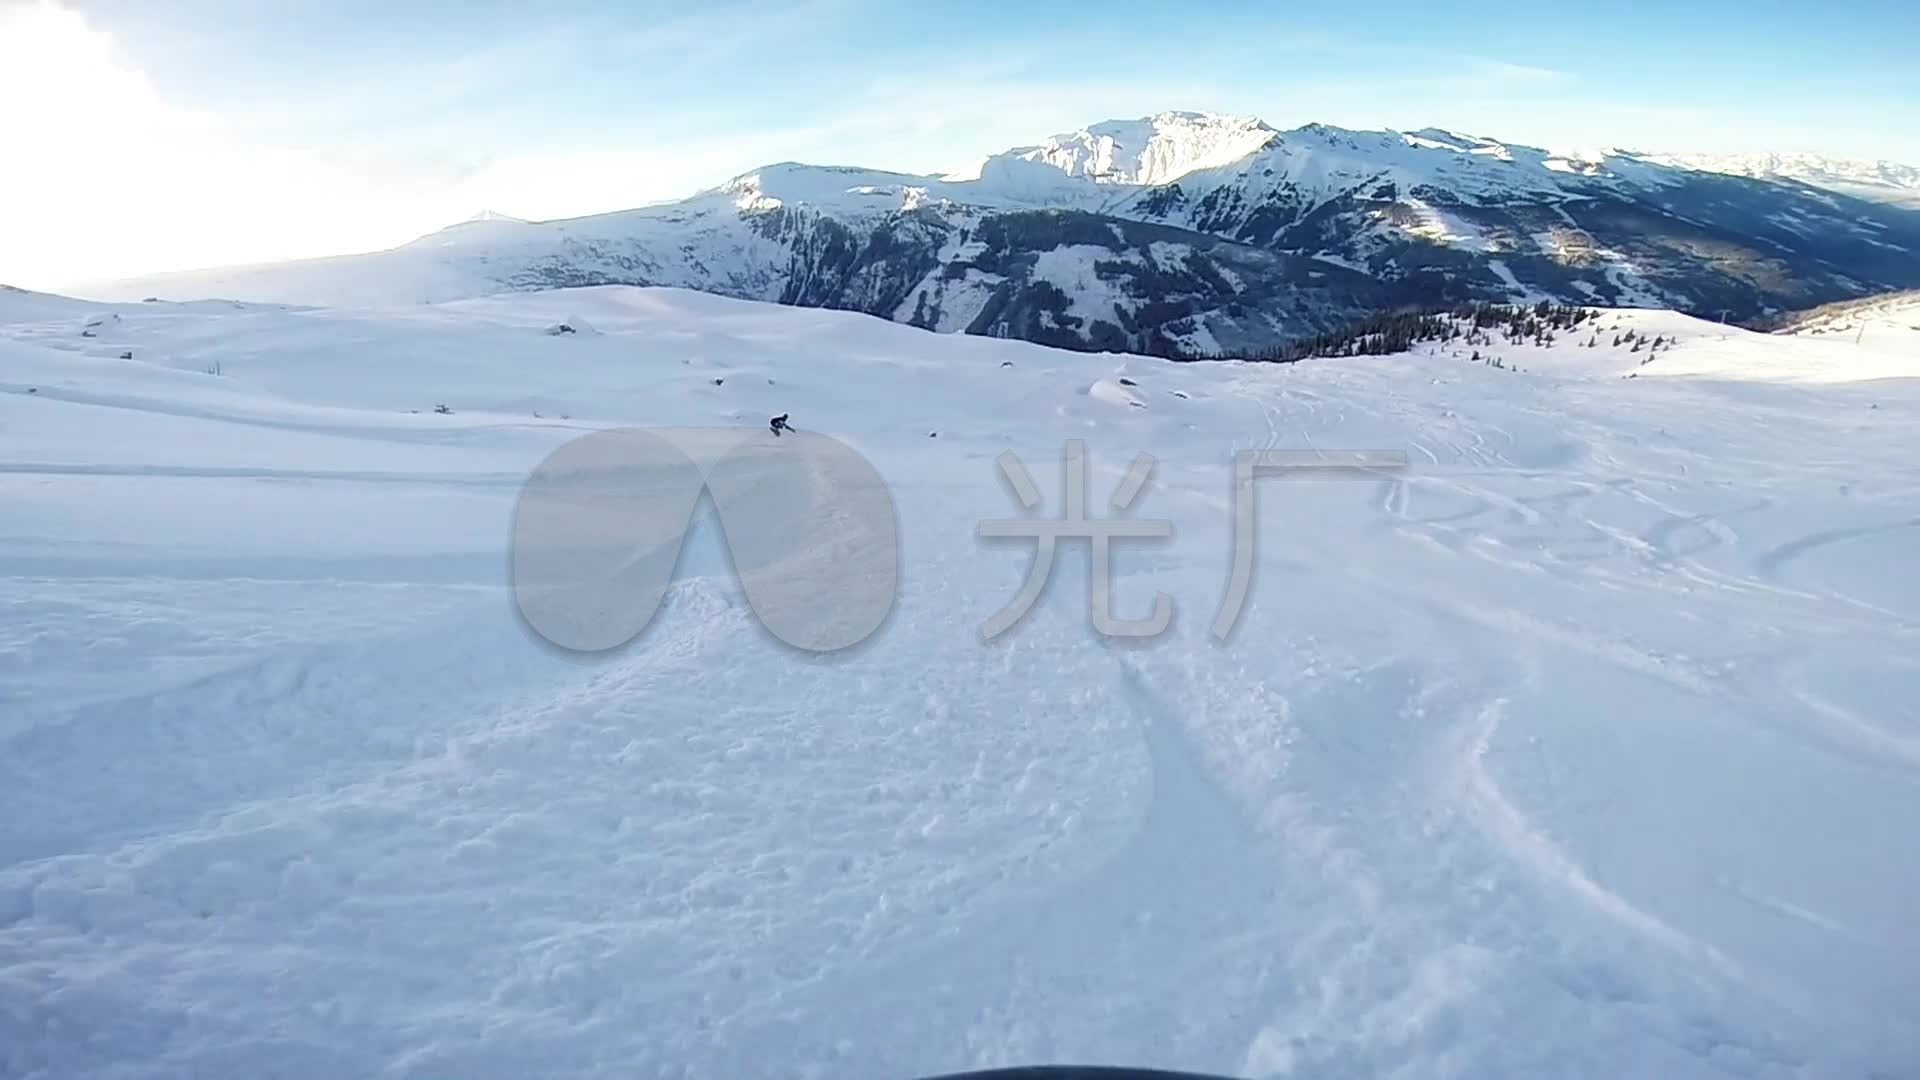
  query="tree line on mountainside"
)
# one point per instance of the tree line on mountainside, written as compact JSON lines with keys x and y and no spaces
{"x":1397,"y":332}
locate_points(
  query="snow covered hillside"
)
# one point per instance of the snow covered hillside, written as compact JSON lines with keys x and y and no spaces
{"x":1179,"y":234}
{"x":1890,"y":321}
{"x":1587,"y":746}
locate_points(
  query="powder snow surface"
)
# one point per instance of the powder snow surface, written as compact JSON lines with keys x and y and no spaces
{"x":1588,"y":747}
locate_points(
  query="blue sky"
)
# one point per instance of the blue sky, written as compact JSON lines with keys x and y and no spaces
{"x":269,"y":129}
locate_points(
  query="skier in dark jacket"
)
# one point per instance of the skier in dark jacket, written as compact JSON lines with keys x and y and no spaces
{"x":779,"y":424}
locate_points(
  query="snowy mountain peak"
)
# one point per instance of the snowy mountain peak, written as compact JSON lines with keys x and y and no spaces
{"x":1815,"y":169}
{"x":1180,"y":233}
{"x":1441,"y":138}
{"x":1150,"y":150}
{"x":792,"y":182}
{"x":485,"y":227}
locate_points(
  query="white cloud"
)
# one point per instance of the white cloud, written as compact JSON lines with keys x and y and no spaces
{"x":571,"y":183}
{"x":108,"y":179}
{"x":113,"y":180}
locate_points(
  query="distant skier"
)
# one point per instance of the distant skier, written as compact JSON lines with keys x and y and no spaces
{"x":779,"y":424}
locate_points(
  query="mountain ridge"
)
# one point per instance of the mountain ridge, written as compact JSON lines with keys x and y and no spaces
{"x":1180,"y":233}
{"x":1880,"y":180}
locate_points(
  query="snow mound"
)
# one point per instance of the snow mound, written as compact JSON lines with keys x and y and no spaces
{"x":572,"y":324}
{"x":1111,"y":392}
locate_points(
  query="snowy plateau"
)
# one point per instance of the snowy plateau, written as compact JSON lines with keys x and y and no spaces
{"x":1586,"y":746}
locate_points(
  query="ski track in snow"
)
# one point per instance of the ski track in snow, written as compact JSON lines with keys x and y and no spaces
{"x":1586,"y":747}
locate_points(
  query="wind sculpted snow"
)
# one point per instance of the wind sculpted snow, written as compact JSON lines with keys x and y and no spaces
{"x":1585,"y":747}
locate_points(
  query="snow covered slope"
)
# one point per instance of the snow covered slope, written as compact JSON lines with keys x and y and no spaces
{"x":1586,"y":747}
{"x":1890,"y":322}
{"x":1179,"y":234}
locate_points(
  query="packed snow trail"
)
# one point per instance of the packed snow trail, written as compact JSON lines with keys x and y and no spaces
{"x":1585,"y":747}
